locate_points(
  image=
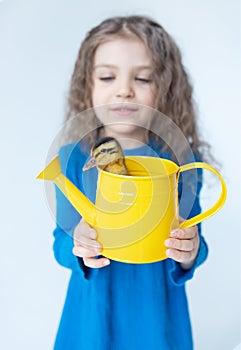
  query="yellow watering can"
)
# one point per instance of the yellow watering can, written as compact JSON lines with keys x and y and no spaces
{"x":134,"y":214}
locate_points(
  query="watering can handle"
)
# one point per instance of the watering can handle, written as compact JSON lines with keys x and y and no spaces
{"x":211,"y":211}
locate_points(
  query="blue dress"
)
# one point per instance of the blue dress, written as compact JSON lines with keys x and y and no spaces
{"x":121,"y":306}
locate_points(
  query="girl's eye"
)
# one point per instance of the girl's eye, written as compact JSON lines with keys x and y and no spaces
{"x":144,"y":80}
{"x":106,"y":78}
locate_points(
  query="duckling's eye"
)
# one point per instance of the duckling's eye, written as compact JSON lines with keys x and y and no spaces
{"x":103,"y":150}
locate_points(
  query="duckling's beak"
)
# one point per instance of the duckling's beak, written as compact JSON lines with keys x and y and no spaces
{"x":90,"y":164}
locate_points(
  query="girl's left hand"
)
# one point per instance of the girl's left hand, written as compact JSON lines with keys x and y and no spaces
{"x":183,"y":246}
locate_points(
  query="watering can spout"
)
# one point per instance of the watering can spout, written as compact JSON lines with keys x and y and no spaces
{"x":51,"y":171}
{"x":80,"y":202}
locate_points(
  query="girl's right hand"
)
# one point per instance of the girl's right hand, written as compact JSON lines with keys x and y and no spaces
{"x":86,"y":246}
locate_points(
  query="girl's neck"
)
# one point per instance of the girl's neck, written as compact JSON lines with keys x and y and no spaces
{"x":126,"y":141}
{"x":131,"y":143}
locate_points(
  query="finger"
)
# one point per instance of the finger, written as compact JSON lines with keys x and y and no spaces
{"x":83,"y":229}
{"x":88,"y":243}
{"x":185,"y":233}
{"x":186,"y":245}
{"x":83,"y":252}
{"x":89,"y":232}
{"x":180,"y":256}
{"x":96,"y":263}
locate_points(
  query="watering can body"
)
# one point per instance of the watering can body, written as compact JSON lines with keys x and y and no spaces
{"x":137,"y":212}
{"x":134,"y":214}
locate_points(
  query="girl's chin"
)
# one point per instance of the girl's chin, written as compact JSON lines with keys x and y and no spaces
{"x":126,"y":132}
{"x":122,"y":130}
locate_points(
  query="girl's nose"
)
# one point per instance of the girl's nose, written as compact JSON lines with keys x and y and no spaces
{"x":125,"y":91}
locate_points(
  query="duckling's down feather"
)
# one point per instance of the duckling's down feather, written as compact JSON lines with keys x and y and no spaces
{"x":108,"y":155}
{"x":117,"y":167}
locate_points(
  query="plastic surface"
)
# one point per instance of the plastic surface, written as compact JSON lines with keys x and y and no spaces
{"x":134,"y":214}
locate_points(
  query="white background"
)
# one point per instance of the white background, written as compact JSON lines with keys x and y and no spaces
{"x":39,"y":44}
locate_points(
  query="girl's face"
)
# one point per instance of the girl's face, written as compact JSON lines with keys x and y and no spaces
{"x":122,"y":81}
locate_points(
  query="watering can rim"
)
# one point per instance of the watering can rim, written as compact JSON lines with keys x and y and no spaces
{"x":142,"y":177}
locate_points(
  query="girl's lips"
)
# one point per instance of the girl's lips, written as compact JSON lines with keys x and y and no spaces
{"x":124,"y":111}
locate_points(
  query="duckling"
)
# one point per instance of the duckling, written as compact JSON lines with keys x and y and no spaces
{"x":107,"y":154}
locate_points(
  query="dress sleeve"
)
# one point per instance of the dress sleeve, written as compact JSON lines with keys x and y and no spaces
{"x":67,"y":216}
{"x":190,"y":185}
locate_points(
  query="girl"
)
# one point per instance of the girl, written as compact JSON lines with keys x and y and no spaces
{"x":123,"y":63}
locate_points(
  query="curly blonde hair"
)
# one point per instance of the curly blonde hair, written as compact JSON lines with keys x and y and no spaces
{"x":174,"y":91}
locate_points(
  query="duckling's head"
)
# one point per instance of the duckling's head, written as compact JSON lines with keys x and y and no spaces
{"x":105,"y":151}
